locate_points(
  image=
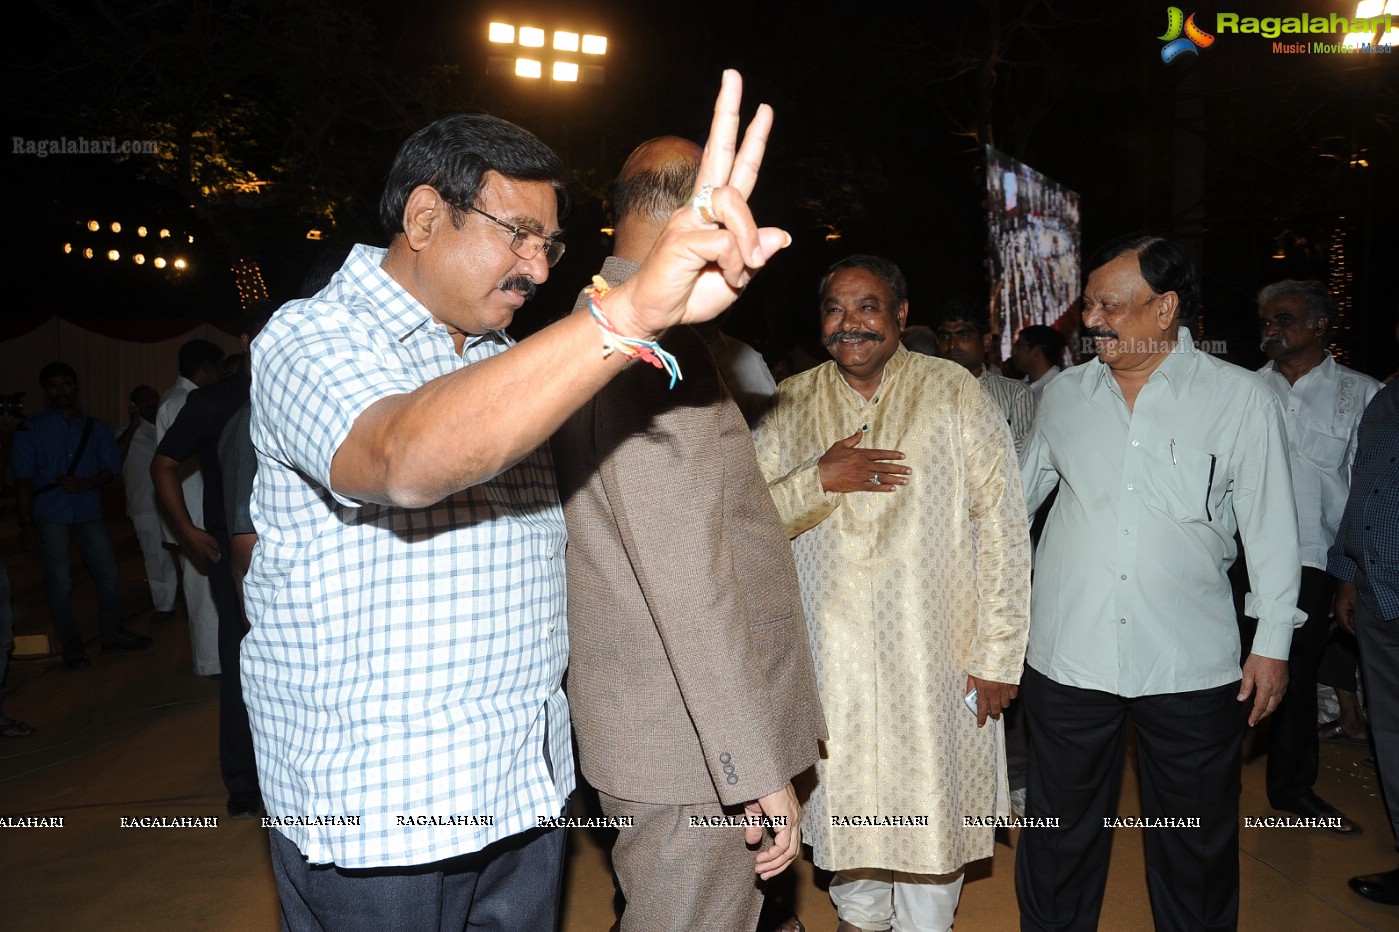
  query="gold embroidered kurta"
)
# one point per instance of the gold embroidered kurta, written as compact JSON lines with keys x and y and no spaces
{"x":906,"y":593}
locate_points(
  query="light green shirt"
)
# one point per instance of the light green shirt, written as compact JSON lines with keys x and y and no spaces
{"x":1130,"y":594}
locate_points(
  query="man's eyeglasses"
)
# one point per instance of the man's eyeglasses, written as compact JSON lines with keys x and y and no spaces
{"x":527,"y":243}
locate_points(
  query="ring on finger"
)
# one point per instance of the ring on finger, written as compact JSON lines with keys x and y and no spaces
{"x":704,"y":203}
{"x":874,"y":479}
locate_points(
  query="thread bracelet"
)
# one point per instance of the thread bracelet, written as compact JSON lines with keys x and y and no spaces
{"x":647,"y":350}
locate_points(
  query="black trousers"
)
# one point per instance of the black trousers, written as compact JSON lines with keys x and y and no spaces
{"x":236,"y":760}
{"x":1294,"y":753}
{"x":1379,"y":659}
{"x":1188,"y":754}
{"x":513,"y":885}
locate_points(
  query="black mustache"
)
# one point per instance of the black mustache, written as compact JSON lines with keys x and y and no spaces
{"x":869,"y":336}
{"x":1106,"y":333}
{"x":520,"y":283}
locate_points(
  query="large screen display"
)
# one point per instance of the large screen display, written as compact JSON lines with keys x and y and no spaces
{"x":1034,"y":227}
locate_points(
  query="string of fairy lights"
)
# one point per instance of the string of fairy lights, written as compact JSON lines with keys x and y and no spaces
{"x":158,"y":248}
{"x":1339,"y":285}
{"x":151,"y":247}
{"x":248,"y":279}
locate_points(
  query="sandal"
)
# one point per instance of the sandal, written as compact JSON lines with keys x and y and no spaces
{"x":14,"y":728}
{"x":1336,"y":734}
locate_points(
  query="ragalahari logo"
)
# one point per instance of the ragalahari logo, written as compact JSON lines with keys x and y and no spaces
{"x":1177,"y":44}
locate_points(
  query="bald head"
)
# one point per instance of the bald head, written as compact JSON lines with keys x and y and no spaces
{"x":657,"y":179}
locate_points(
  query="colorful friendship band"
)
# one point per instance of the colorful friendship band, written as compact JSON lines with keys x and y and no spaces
{"x":647,"y":350}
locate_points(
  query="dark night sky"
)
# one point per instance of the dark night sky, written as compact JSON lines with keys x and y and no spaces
{"x":1233,"y":151}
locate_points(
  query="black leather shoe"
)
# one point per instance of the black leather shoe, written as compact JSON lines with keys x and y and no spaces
{"x":244,"y":805}
{"x":126,"y":640}
{"x":1314,"y":807}
{"x":1381,"y":888}
{"x":74,"y":657}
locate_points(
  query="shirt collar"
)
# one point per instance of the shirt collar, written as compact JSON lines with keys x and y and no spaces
{"x":892,"y":368}
{"x":397,"y":311}
{"x":1175,"y":369}
{"x":1325,"y":370}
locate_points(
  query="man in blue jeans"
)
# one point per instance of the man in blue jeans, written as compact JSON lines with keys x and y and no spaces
{"x":9,"y":727}
{"x":61,"y":458}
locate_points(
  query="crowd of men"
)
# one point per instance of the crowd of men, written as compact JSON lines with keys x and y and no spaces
{"x":429,"y":565}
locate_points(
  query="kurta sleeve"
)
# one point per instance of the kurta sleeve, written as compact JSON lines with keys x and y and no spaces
{"x":996,"y":509}
{"x":796,"y":490}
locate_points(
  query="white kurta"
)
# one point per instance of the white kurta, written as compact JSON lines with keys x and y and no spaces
{"x":905,"y":595}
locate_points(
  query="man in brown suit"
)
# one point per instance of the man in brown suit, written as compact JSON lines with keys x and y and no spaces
{"x":691,"y":683}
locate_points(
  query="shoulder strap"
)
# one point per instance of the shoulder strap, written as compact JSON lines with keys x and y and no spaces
{"x":77,"y":456}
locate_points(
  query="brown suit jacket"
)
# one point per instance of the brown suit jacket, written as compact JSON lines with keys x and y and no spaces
{"x":690,"y":678}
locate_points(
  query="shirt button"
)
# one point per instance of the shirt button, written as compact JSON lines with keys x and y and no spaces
{"x":1125,"y":531}
{"x":1124,"y":575}
{"x":1131,"y":488}
{"x":1122,"y":621}
{"x":1136,"y":443}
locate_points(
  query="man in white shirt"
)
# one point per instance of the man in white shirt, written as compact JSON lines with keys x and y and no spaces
{"x":138,"y":448}
{"x":199,"y":367}
{"x":1038,"y":351}
{"x":963,"y":335}
{"x":1322,"y":404}
{"x":1161,"y":453}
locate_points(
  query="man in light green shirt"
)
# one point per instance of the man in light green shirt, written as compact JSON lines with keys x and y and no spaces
{"x":1160,"y":453}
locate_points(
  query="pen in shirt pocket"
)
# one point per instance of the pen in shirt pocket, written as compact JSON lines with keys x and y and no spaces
{"x":1173,"y":451}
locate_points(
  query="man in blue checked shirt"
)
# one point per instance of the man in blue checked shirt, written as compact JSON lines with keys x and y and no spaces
{"x":408,"y":635}
{"x":1365,"y":557}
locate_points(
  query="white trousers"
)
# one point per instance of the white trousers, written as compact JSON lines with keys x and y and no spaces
{"x":203,"y":616}
{"x":161,"y":574}
{"x":880,"y":900}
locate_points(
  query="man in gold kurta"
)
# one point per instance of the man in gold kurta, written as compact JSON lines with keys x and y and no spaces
{"x":897,"y":480}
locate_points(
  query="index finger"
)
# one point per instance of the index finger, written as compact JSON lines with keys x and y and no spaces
{"x":1262,"y":700}
{"x":716,"y":163}
{"x":880,"y":454}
